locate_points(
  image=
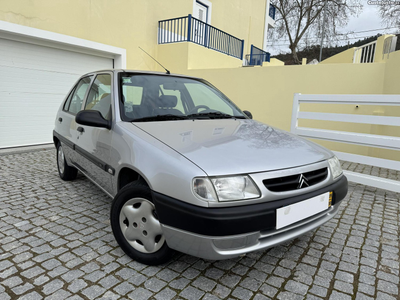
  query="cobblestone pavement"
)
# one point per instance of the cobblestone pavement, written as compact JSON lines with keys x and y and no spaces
{"x":370,"y":170}
{"x":56,"y":243}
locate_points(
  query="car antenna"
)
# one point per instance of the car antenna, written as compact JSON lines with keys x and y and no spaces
{"x":156,"y":61}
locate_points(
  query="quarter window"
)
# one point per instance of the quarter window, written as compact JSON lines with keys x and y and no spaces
{"x":68,"y":101}
{"x":74,"y":101}
{"x":100,"y":96}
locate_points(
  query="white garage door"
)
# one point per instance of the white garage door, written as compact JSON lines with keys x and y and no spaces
{"x":34,"y":80}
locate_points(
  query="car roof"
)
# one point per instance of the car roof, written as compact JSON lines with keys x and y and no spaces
{"x":140,"y":72}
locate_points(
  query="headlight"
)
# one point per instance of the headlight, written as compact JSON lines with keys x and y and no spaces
{"x":235,"y":188}
{"x":226,"y":188}
{"x":334,"y":165}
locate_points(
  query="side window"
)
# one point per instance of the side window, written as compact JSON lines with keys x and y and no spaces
{"x":74,"y":101}
{"x":100,"y":96}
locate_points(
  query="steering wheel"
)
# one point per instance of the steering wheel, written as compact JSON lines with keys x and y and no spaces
{"x":196,"y":109}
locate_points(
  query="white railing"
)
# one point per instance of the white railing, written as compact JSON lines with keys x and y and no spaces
{"x":365,"y":53}
{"x":389,"y":45}
{"x":362,"y":139}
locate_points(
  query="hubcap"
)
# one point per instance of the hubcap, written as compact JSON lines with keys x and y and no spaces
{"x":61,"y":160}
{"x":140,"y":226}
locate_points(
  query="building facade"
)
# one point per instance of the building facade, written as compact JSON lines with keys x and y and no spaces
{"x":46,"y":45}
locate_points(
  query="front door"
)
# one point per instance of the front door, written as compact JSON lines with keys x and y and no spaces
{"x":93,"y":145}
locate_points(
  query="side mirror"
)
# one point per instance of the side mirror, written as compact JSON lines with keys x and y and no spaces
{"x":92,"y":118}
{"x":247,"y":113}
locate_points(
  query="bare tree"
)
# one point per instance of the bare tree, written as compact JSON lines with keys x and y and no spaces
{"x":390,"y":13}
{"x":299,"y":20}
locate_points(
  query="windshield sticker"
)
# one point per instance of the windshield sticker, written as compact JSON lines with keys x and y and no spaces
{"x":218,"y":130}
{"x":186,"y":136}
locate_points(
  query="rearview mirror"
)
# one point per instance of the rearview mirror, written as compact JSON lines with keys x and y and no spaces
{"x":173,"y":86}
{"x":92,"y":118}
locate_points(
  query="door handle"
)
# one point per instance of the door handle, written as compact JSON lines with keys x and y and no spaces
{"x":60,"y":119}
{"x":80,"y":129}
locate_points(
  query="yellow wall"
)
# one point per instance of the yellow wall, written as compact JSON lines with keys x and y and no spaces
{"x":179,"y":57}
{"x":274,"y":62}
{"x":200,"y":57}
{"x":129,"y":24}
{"x":121,"y":23}
{"x":341,"y":58}
{"x":174,"y":57}
{"x":268,"y":93}
{"x":391,"y":83}
{"x":245,"y":20}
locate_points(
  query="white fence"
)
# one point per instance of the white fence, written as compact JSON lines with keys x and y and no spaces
{"x":389,"y":45}
{"x":371,"y":140}
{"x":365,"y":53}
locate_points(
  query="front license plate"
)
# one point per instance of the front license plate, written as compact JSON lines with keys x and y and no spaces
{"x":301,"y":210}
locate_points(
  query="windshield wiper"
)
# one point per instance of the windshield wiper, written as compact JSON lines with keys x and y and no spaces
{"x":167,"y":117}
{"x":214,"y":115}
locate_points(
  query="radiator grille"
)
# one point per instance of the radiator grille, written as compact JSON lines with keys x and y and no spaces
{"x":294,"y":182}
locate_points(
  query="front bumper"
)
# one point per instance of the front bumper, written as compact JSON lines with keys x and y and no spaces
{"x":221,"y":233}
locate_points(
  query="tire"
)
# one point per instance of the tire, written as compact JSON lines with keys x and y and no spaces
{"x":66,"y":172}
{"x":136,"y":227}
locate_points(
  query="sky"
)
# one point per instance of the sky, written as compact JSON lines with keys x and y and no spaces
{"x":369,"y":19}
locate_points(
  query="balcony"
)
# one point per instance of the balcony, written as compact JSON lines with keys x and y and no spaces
{"x":257,"y":56}
{"x":190,"y":29}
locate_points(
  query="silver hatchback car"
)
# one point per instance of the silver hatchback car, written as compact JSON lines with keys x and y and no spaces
{"x":188,"y":170}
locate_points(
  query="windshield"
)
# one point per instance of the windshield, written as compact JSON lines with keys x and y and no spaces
{"x":161,"y":98}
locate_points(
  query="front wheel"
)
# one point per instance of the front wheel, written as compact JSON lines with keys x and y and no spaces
{"x":136,"y":227}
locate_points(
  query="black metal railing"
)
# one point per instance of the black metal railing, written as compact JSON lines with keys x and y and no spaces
{"x":257,"y":56}
{"x":190,"y":29}
{"x":272,"y":10}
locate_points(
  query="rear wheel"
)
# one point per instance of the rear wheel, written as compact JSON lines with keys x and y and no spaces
{"x":66,"y":172}
{"x":136,"y":227}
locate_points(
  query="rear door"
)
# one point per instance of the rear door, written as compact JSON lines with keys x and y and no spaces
{"x":65,"y":120}
{"x":93,"y":145}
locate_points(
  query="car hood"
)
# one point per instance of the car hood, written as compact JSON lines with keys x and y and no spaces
{"x":229,"y":146}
